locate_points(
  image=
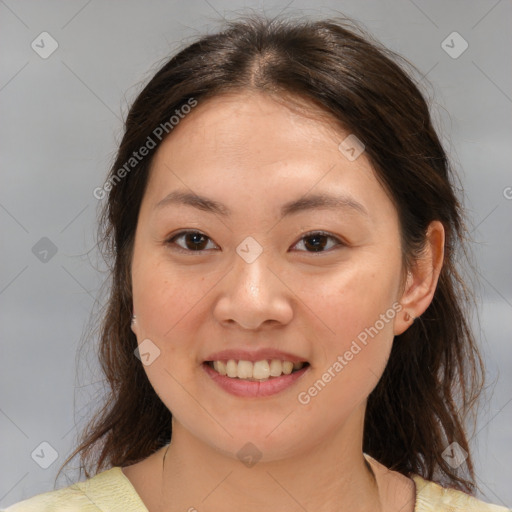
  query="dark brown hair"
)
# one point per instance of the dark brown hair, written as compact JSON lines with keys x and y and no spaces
{"x":435,"y":373}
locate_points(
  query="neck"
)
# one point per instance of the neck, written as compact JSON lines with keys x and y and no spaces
{"x":332,"y":476}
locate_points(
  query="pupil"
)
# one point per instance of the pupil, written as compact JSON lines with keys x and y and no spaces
{"x":317,"y":245}
{"x":195,"y":237}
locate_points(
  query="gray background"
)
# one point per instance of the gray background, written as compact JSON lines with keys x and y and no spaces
{"x":61,"y":121}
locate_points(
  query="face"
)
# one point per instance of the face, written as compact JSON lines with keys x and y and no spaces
{"x":262,"y":272}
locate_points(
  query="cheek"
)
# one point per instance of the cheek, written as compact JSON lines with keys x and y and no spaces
{"x":359,"y":307}
{"x":351,"y":361}
{"x":166,"y":302}
{"x":356,"y":299}
{"x":164,"y":298}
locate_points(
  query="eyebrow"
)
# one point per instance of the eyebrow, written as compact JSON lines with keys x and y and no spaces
{"x":304,"y":203}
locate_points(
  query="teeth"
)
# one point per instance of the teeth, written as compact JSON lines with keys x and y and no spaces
{"x":220,"y":366}
{"x":287,"y":367}
{"x":232,"y":368}
{"x":260,"y":370}
{"x":276,"y":368}
{"x":244,"y":369}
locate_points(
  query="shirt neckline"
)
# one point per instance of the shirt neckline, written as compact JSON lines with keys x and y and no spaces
{"x":411,"y":477}
{"x":118,"y":470}
{"x":130,"y":491}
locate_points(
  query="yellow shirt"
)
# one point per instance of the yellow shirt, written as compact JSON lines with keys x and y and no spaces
{"x":112,"y":491}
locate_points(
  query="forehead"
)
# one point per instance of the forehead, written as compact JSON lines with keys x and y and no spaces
{"x":249,"y":147}
{"x":238,"y":119}
{"x":253,"y":133}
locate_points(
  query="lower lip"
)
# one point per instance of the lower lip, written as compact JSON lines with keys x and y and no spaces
{"x":246,"y":388}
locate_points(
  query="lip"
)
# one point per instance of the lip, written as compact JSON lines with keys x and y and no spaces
{"x":245,"y":388}
{"x":254,"y":355}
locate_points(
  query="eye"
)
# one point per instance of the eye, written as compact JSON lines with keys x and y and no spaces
{"x":318,"y":241}
{"x":194,"y":241}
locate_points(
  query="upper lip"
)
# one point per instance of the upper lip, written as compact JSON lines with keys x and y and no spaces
{"x":254,"y":355}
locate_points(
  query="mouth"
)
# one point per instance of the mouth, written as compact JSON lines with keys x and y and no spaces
{"x":257,"y":371}
{"x":261,"y":378}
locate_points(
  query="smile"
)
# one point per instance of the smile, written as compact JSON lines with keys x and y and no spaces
{"x":259,"y":370}
{"x":259,"y":378}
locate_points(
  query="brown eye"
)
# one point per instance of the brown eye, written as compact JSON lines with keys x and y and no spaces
{"x":191,"y":241}
{"x":318,"y":241}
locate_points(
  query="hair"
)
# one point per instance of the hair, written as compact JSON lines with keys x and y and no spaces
{"x":435,"y":373}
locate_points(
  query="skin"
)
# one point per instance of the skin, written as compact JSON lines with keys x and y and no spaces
{"x":254,"y":154}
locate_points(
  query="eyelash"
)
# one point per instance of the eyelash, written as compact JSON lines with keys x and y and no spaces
{"x":171,"y":241}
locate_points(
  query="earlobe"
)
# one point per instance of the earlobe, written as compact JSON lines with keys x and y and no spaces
{"x":134,"y":318}
{"x":422,"y":279}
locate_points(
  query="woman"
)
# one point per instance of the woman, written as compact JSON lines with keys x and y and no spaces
{"x":283,"y":231}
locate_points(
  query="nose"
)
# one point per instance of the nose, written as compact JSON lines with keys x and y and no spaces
{"x":254,"y":296}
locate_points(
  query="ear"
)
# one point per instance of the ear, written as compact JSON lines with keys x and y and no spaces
{"x":422,"y":279}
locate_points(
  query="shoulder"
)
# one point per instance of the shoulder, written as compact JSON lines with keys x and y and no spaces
{"x":432,"y":497}
{"x":108,"y":490}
